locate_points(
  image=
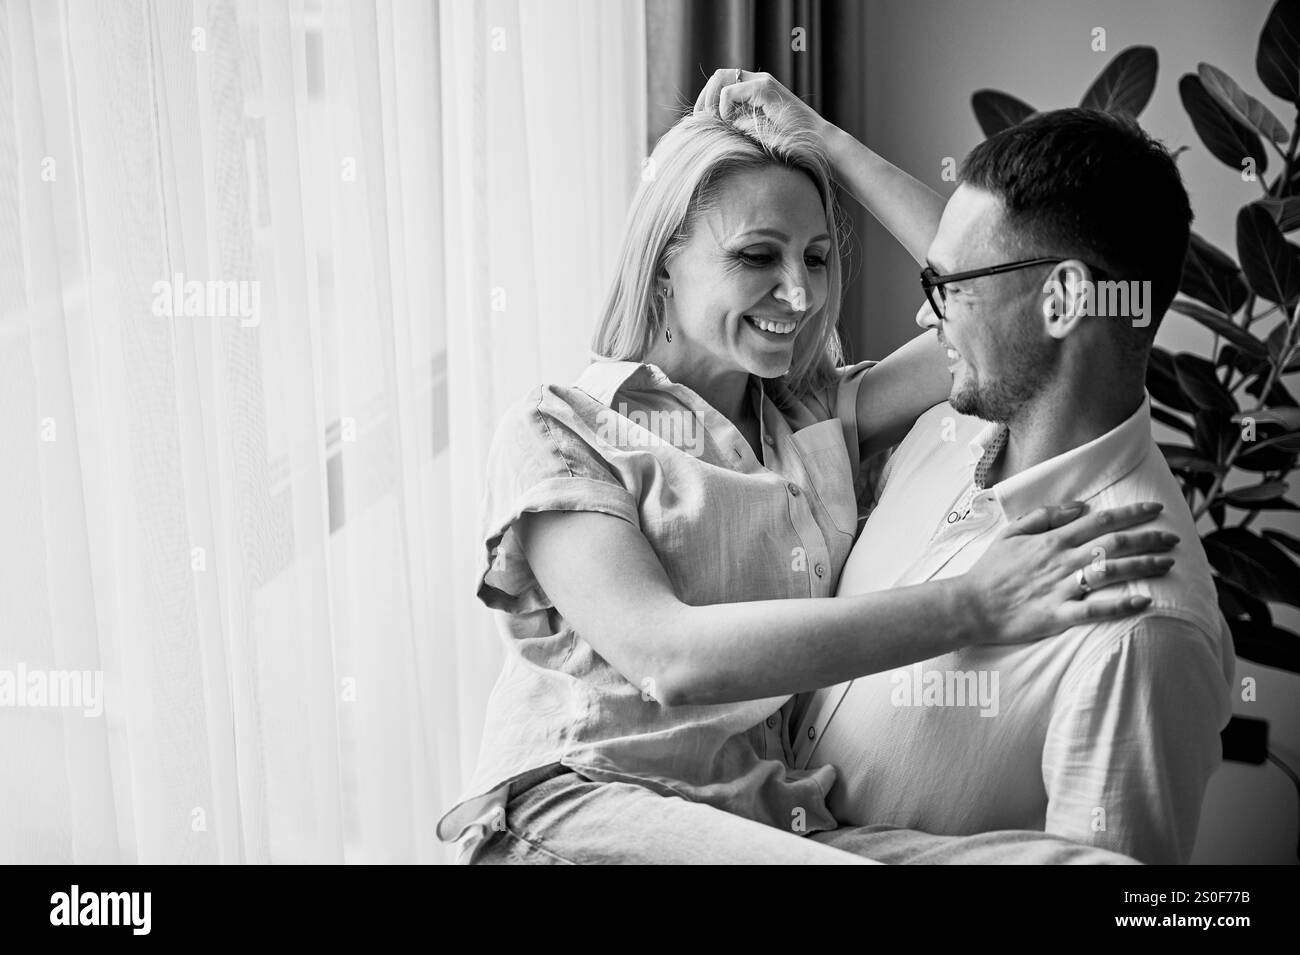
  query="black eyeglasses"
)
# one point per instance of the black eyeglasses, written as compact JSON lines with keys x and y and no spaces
{"x":933,"y":282}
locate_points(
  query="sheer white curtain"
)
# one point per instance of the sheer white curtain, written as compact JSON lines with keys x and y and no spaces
{"x":259,"y":523}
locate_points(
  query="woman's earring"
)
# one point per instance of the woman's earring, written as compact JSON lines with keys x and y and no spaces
{"x":667,"y":293}
{"x":668,"y":333}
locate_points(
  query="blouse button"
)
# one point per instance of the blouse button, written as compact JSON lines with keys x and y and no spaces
{"x":769,"y":440}
{"x":794,"y":489}
{"x":771,"y":722}
{"x":819,"y":570}
{"x":812,"y":733}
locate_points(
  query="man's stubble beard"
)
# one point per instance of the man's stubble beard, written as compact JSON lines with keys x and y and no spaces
{"x":1029,"y":368}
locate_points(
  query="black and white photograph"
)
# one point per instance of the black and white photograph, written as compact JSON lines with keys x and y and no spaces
{"x":650,"y":432}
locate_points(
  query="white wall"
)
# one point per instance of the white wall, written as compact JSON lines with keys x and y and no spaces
{"x":924,"y":59}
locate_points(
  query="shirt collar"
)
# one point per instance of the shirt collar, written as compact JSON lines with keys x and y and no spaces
{"x":602,"y":379}
{"x":1076,"y":475}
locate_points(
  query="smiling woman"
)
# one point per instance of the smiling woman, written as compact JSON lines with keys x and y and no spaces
{"x":745,"y":214}
{"x":749,"y":280}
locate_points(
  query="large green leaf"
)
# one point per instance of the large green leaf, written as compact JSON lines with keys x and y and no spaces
{"x":1276,"y":341}
{"x":1276,"y":442}
{"x":1211,"y":277}
{"x":1227,"y":139}
{"x":1248,"y":497}
{"x":1204,"y":480}
{"x":1162,"y":381}
{"x":1197,"y":380}
{"x":1255,"y":564}
{"x":1278,"y":58}
{"x":1267,"y":644}
{"x":1244,"y":107}
{"x":1170,"y":419}
{"x":1288,"y":418}
{"x":1229,"y":355}
{"x":1261,"y":460}
{"x":1288,"y":443}
{"x":1236,"y":602}
{"x":1125,"y":85}
{"x":1276,"y":504}
{"x":1221,"y":325}
{"x":1214,"y":433}
{"x":1279,"y":397}
{"x":1271,"y":264}
{"x":1285,"y":540}
{"x":1279,"y":345}
{"x":1285,"y":212}
{"x":996,"y":111}
{"x":1187,"y":459}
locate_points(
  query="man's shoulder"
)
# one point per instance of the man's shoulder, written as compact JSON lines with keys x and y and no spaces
{"x":1185,"y":599}
{"x":1173,"y":643}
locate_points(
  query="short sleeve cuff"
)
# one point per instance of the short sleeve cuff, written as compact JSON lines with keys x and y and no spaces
{"x":507,"y":582}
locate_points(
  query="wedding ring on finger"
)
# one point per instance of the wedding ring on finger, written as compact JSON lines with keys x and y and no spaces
{"x":1085,"y":588}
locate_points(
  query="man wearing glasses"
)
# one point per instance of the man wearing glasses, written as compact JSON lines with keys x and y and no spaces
{"x":1108,"y":734}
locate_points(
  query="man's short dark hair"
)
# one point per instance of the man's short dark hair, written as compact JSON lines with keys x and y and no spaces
{"x":1090,"y":185}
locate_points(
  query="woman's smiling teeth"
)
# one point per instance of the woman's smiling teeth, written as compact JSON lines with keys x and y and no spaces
{"x":770,"y":325}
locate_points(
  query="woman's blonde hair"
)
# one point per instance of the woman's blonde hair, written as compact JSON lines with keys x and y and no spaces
{"x":680,"y":181}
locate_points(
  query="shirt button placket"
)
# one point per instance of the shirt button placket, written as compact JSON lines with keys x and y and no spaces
{"x":811,"y":538}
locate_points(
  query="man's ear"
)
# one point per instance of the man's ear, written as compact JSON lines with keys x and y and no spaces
{"x":1068,"y":297}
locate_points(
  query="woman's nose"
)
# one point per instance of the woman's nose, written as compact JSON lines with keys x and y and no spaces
{"x":795,"y":296}
{"x":794,"y":290}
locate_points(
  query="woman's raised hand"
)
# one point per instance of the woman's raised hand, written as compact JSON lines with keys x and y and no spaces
{"x":908,"y":208}
{"x":727,"y":89}
{"x":1054,"y":569}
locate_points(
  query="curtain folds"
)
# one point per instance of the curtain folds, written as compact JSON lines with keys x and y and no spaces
{"x":270,"y":270}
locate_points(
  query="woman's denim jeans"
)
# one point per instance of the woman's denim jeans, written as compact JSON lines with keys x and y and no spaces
{"x":571,"y":820}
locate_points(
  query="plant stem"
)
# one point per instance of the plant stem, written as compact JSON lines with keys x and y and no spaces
{"x":1295,"y":141}
{"x":1250,"y":315}
{"x":1245,"y":324}
{"x":1264,"y":314}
